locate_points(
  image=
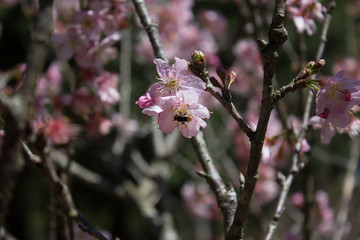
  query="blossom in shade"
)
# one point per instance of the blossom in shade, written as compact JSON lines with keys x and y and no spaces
{"x":334,"y":103}
{"x":98,"y":124}
{"x":88,"y":22}
{"x":50,"y":83}
{"x":70,"y":43}
{"x":58,"y":131}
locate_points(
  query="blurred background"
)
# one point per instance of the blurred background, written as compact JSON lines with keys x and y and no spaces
{"x":132,"y":181}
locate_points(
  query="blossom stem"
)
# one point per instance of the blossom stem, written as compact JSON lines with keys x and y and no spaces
{"x":230,"y":107}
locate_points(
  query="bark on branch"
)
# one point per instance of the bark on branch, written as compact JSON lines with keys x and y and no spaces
{"x":277,"y":36}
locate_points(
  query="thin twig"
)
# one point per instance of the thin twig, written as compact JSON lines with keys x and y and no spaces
{"x":226,"y":196}
{"x":150,"y":28}
{"x":230,"y":107}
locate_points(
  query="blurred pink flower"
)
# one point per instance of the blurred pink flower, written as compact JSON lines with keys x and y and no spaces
{"x":70,"y":43}
{"x":88,"y":22}
{"x":58,"y":131}
{"x":50,"y":83}
{"x":200,"y":201}
{"x":106,"y":87}
{"x":350,"y":65}
{"x":98,"y":124}
{"x":179,"y":31}
{"x":326,"y":222}
{"x":214,"y":21}
{"x":248,"y":66}
{"x":266,"y":187}
{"x":303,"y":13}
{"x":298,"y":199}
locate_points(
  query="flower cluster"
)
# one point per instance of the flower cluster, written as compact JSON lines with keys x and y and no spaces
{"x":82,"y":40}
{"x":174,"y":99}
{"x":335,"y":104}
{"x":303,"y":13}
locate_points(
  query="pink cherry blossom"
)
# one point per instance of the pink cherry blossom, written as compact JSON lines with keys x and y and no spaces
{"x":178,"y":78}
{"x":184,"y":113}
{"x":334,"y":102}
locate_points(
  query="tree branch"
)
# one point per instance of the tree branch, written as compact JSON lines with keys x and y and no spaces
{"x":277,"y":36}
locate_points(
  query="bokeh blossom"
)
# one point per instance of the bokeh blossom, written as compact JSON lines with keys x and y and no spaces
{"x":200,"y":201}
{"x":57,"y":131}
{"x":304,"y":13}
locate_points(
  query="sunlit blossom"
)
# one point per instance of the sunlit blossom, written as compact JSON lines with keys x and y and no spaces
{"x":184,"y":113}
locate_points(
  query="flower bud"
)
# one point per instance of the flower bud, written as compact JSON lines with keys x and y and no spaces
{"x":232,"y":78}
{"x":198,"y":59}
{"x":314,"y":67}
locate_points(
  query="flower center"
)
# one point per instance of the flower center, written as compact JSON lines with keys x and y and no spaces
{"x":181,"y":114}
{"x":338,"y":91}
{"x":169,"y":85}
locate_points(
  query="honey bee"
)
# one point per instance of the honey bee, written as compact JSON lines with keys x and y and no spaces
{"x":182,"y":118}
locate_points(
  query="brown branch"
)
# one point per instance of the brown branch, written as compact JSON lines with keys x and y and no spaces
{"x":231,"y":109}
{"x":14,"y":110}
{"x":277,"y":36}
{"x":291,"y":87}
{"x":225,"y":196}
{"x":150,"y":28}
